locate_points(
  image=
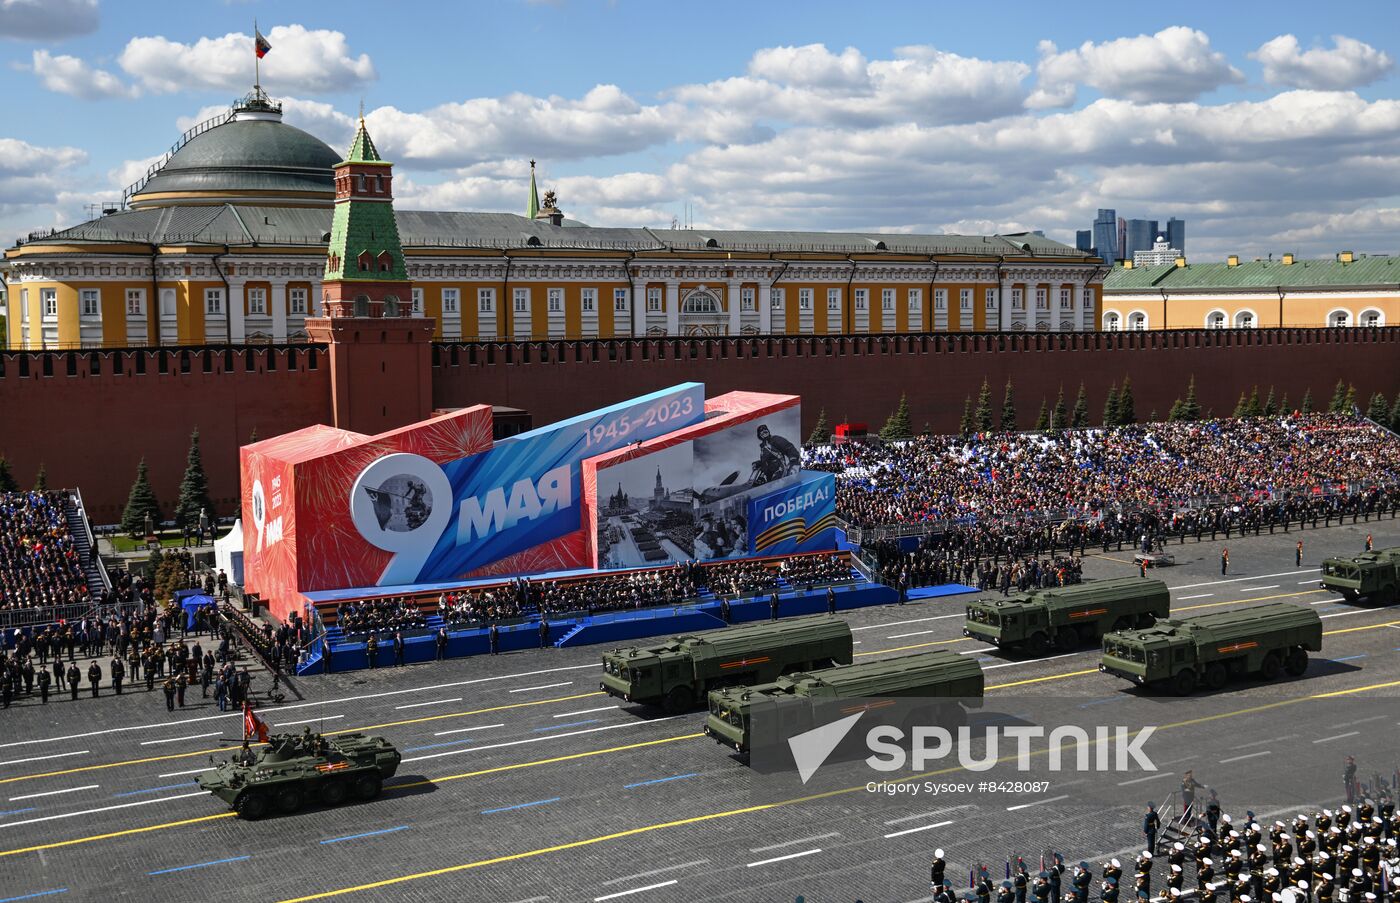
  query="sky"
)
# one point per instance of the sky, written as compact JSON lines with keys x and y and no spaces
{"x":1268,"y":127}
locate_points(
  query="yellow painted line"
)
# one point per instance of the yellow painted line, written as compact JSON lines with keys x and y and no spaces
{"x":1308,"y":592}
{"x":497,"y":769}
{"x":730,"y":813}
{"x":205,"y":752}
{"x":1111,"y":558}
{"x":1036,"y":680}
{"x":122,"y":833}
{"x":1355,"y":629}
{"x":961,"y":639}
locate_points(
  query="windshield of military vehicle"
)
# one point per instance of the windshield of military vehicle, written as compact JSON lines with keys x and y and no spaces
{"x":981,"y":615}
{"x":1343,"y":569}
{"x":1126,"y":651}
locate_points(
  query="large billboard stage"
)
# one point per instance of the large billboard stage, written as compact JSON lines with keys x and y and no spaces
{"x":665,"y":477}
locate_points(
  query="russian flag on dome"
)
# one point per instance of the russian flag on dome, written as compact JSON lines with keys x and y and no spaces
{"x":260,"y":44}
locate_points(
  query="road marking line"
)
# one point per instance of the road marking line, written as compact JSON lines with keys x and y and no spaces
{"x":541,"y":687}
{"x":1305,"y":582}
{"x":555,"y":727}
{"x":1343,"y":614}
{"x":34,"y":796}
{"x":1201,"y":596}
{"x":1274,"y":740}
{"x":176,"y":774}
{"x":900,"y":821}
{"x":661,"y":871}
{"x":975,"y":651}
{"x":366,"y":834}
{"x":463,"y":730}
{"x":1359,"y":721}
{"x":957,"y":614}
{"x":199,"y":865}
{"x":1351,"y":629}
{"x":940,"y":824}
{"x":1253,"y":755}
{"x":31,"y":821}
{"x":1245,"y":579}
{"x":1033,"y":661}
{"x":591,"y":730}
{"x":1036,"y":680}
{"x":1347,"y":658}
{"x":1260,"y":589}
{"x":900,"y":636}
{"x":307,"y":721}
{"x":123,"y":833}
{"x":678,"y":777}
{"x":42,"y":893}
{"x":151,"y":790}
{"x":553,"y":799}
{"x":789,"y":843}
{"x":586,"y":711}
{"x":81,"y":752}
{"x":1337,"y":737}
{"x":635,"y":890}
{"x":1053,"y":799}
{"x":438,"y":745}
{"x":961,"y":639}
{"x":18,"y":811}
{"x":415,"y":705}
{"x":785,"y":858}
{"x":1306,"y":592}
{"x":178,"y":739}
{"x":1150,"y":777}
{"x":1323,"y":602}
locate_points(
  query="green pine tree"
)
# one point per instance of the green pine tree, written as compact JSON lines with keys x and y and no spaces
{"x":1254,"y":409}
{"x":1242,"y":408}
{"x":9,"y":484}
{"x":1190,"y":407}
{"x":1060,"y":417}
{"x":1127,"y":415}
{"x":1283,"y":407}
{"x":1307,"y":406}
{"x":1339,"y":397}
{"x":1110,"y":406}
{"x":1080,"y":417}
{"x":983,"y":415}
{"x":41,"y":479}
{"x":1152,"y":416}
{"x":1008,"y":410}
{"x":194,"y":488}
{"x":898,"y":426}
{"x":1270,"y":405}
{"x":821,"y":433}
{"x":139,"y":502}
{"x":965,"y":424}
{"x":1042,"y":420}
{"x":1174,"y":414}
{"x":1349,"y":403}
{"x":1378,"y":411}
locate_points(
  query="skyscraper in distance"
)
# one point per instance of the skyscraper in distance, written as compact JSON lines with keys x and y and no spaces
{"x":1106,"y":234}
{"x":1176,"y":234}
{"x":1084,"y":240}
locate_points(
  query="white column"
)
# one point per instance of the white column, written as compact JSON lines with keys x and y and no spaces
{"x":1004,"y":304}
{"x":235,"y":311}
{"x":733,"y":295}
{"x":673,"y":307}
{"x":639,"y":307}
{"x":279,"y":311}
{"x":765,"y":307}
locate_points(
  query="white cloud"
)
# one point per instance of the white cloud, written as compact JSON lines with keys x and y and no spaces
{"x":128,"y":171}
{"x":1349,"y":64}
{"x":22,"y":158}
{"x":1175,"y":64}
{"x":1376,"y":226}
{"x":70,"y":75}
{"x":311,"y":61}
{"x":47,"y":20}
{"x":810,"y":66}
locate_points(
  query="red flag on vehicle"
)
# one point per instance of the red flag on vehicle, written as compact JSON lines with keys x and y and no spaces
{"x":253,"y":726}
{"x":260,"y":44}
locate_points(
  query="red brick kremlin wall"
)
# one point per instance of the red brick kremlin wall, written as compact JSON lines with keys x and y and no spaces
{"x":90,"y":416}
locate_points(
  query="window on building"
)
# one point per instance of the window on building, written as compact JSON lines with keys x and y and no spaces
{"x":48,"y":301}
{"x":378,"y":184}
{"x":620,"y":299}
{"x":486,"y":300}
{"x":24,"y":305}
{"x":965,"y":298}
{"x":698,"y":302}
{"x":1111,"y":321}
{"x":1042,"y":299}
{"x":990,"y":299}
{"x":522,"y":300}
{"x":1336,"y":318}
{"x":916,"y":299}
{"x":213,"y":300}
{"x":1066,"y":299}
{"x":776,"y":298}
{"x":833,"y":299}
{"x":1244,"y":319}
{"x":360,"y":306}
{"x":1088,"y":299}
{"x":135,"y":302}
{"x":1216,"y":320}
{"x":391,"y":306}
{"x":296,"y":301}
{"x":746,"y":299}
{"x":556,"y":300}
{"x":1018,"y":299}
{"x":416,"y":296}
{"x":90,"y":302}
{"x":940,"y":299}
{"x":805,"y":296}
{"x":363,"y":262}
{"x":360,"y":182}
{"x":257,"y":301}
{"x":588,"y":300}
{"x":1372,"y":318}
{"x":654,"y":299}
{"x":386,"y":262}
{"x":861,"y":295}
{"x":451,"y":300}
{"x":1137,"y":321}
{"x":887,"y":299}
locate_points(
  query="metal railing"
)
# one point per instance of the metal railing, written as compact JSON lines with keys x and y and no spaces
{"x":92,"y":540}
{"x":11,"y":618}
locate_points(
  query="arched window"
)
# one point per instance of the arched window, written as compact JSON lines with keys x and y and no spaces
{"x":699,"y":302}
{"x":1339,"y":318}
{"x":1245,"y":319}
{"x":391,"y":306}
{"x":362,"y":305}
{"x":1137,"y":321}
{"x":1371,"y":318}
{"x":1111,"y":321}
{"x":1215,"y":319}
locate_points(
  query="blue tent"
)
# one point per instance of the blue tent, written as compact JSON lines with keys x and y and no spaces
{"x":191,"y":601}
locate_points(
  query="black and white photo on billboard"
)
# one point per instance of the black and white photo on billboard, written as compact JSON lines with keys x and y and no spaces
{"x":646,"y":514}
{"x":734,"y":465}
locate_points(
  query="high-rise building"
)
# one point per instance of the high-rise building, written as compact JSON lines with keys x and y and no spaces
{"x":1106,"y":234}
{"x":1084,"y":240}
{"x":1122,"y":246}
{"x":1141,"y":234}
{"x":1162,"y":253}
{"x":1176,"y":234}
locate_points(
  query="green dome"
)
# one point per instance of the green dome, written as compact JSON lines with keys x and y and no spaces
{"x":253,"y":154}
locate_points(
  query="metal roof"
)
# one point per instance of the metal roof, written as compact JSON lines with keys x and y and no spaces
{"x":1367,"y":270}
{"x":247,"y":155}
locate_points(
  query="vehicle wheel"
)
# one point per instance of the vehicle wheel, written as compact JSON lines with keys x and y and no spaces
{"x":290,"y":800}
{"x":251,"y":805}
{"x":333,"y":793}
{"x":367,"y":787}
{"x":1036,"y":644}
{"x":1184,"y":683}
{"x":1297,"y":662}
{"x":1349,"y":595}
{"x":1215,"y":676}
{"x":678,"y":700}
{"x":1270,"y":668}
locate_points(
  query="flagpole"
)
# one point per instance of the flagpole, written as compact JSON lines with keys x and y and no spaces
{"x":257,"y":61}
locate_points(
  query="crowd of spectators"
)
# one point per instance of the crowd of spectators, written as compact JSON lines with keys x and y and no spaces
{"x":1083,"y":487}
{"x":39,"y":563}
{"x":379,"y":615}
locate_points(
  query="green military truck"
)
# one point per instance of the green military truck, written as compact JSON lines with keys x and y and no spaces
{"x":940,"y":674}
{"x":1208,"y":650}
{"x":1066,"y":617}
{"x":679,"y":672}
{"x":1374,"y":575}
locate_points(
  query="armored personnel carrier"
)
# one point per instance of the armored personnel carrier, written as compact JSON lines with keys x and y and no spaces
{"x":1375,"y":575}
{"x":294,"y":769}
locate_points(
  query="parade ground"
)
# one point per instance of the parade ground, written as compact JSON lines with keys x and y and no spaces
{"x":522,"y":783}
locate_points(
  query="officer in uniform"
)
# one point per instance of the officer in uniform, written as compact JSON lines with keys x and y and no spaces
{"x":1205,"y":873}
{"x":1057,"y":870}
{"x":1113,"y":869}
{"x":94,"y":677}
{"x":1325,"y":887}
{"x":945,"y":893}
{"x":44,"y":680}
{"x":1020,"y":879}
{"x":1175,"y":877}
{"x":494,"y":636}
{"x":1109,"y":891}
{"x":936,"y":869}
{"x":1005,"y":894}
{"x":118,"y":672}
{"x":983,"y":889}
{"x":73,"y":678}
{"x":1081,"y":880}
{"x":372,"y":650}
{"x":1150,"y":825}
{"x":1177,"y":854}
{"x":1208,"y":892}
